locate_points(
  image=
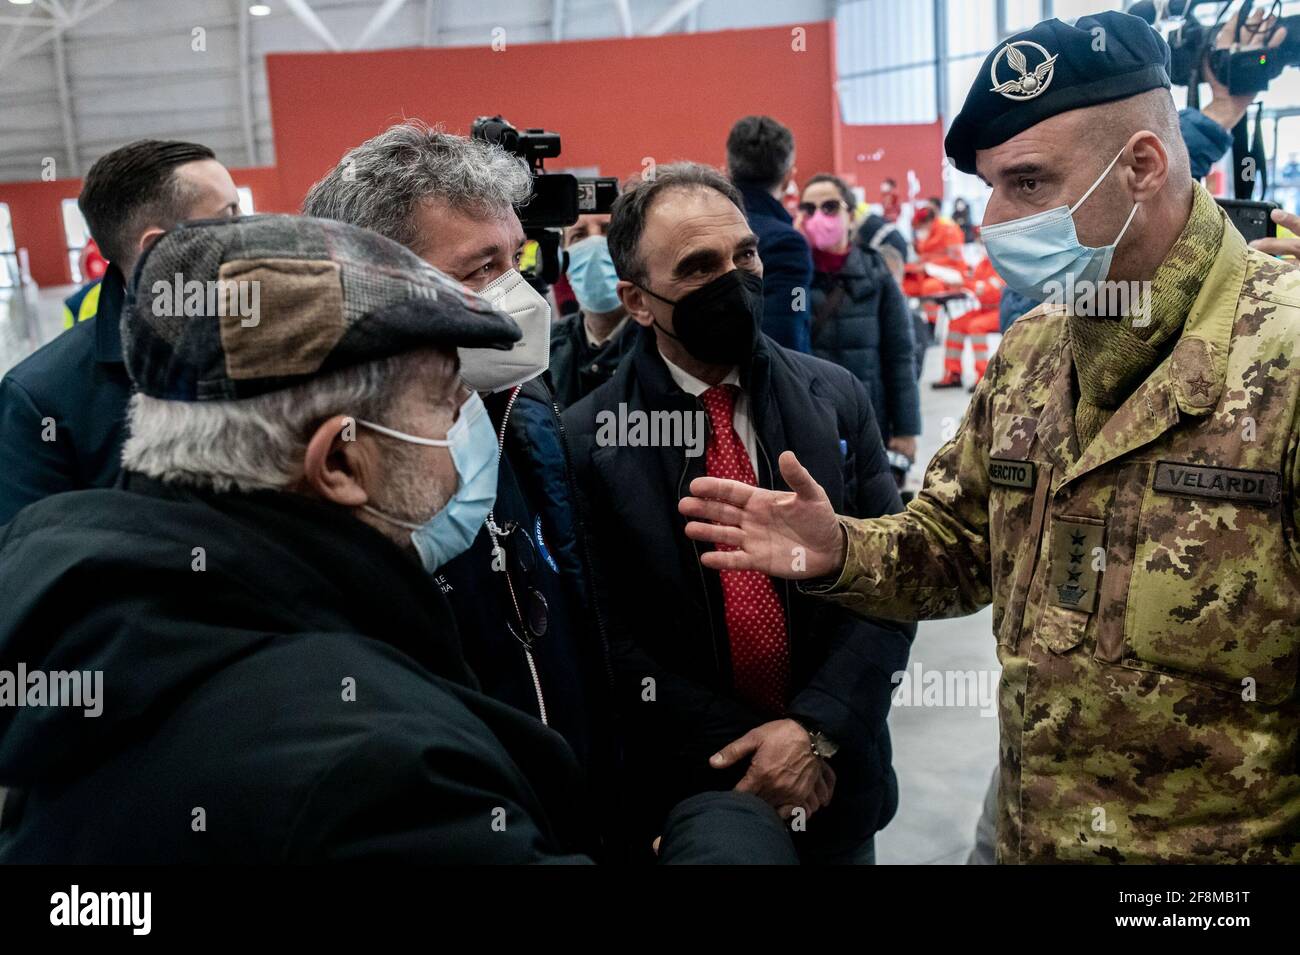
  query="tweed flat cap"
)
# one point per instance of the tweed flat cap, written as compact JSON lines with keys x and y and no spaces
{"x":232,"y":308}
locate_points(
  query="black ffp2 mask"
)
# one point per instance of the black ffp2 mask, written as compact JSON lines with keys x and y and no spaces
{"x":717,"y":322}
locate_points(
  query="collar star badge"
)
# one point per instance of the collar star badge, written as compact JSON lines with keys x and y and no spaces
{"x":1200,"y":385}
{"x":1026,"y":84}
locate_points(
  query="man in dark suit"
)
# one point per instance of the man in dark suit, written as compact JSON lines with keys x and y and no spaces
{"x":63,"y":408}
{"x":760,"y":161}
{"x":730,"y":681}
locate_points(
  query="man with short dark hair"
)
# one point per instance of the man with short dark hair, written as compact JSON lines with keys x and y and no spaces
{"x":732,"y":682}
{"x":588,"y":345}
{"x":760,"y":161}
{"x":62,"y":409}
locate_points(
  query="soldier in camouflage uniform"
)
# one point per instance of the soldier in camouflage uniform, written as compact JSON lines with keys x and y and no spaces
{"x":1123,"y":491}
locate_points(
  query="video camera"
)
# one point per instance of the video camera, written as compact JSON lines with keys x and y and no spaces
{"x":558,"y":198}
{"x":1242,"y":72}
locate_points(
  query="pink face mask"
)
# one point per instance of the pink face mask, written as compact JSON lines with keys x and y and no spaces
{"x":823,"y":231}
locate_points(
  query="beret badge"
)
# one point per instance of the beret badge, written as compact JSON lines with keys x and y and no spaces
{"x":1026,"y":84}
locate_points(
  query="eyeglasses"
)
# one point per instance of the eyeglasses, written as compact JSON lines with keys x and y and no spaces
{"x":532,"y":615}
{"x":831,"y":207}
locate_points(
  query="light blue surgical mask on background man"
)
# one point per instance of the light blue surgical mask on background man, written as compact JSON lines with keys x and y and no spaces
{"x":1033,"y":252}
{"x":473,"y":444}
{"x":592,"y":276}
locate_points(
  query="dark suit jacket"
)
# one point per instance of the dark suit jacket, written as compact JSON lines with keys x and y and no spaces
{"x":787,"y":266}
{"x":666,"y":611}
{"x":63,"y":410}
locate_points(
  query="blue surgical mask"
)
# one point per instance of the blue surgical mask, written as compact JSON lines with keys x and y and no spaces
{"x":1034,"y":252}
{"x":474,"y":452}
{"x":592,"y":276}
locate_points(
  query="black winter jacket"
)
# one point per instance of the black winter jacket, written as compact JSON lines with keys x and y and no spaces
{"x":79,"y":381}
{"x":545,"y":554}
{"x":870,"y":334}
{"x":787,"y":267}
{"x":577,"y":369}
{"x":280,"y":684}
{"x":666,"y":609}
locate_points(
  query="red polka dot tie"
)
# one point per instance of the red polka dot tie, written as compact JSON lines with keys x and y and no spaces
{"x":760,"y":646}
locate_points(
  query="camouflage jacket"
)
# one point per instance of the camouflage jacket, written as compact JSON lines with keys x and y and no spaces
{"x":1146,"y":593}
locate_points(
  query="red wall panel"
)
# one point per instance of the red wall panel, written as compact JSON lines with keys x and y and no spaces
{"x":871,"y":154}
{"x":614,"y":102}
{"x":36,"y":209}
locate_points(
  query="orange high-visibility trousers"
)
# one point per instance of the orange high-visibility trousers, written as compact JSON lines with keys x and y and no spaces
{"x":973,"y":325}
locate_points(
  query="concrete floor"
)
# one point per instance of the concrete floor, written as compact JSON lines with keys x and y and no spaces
{"x":944,"y":756}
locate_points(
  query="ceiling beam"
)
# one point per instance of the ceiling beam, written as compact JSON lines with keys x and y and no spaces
{"x":385,"y":13}
{"x":20,"y":22}
{"x":432,"y":15}
{"x":303,"y":11}
{"x":14,"y":51}
{"x":624,"y":16}
{"x":557,"y":20}
{"x":65,"y":109}
{"x":244,"y":47}
{"x":669,"y":18}
{"x":23,"y":20}
{"x":55,"y":8}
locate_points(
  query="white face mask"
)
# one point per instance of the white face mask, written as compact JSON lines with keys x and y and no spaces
{"x":495,"y":369}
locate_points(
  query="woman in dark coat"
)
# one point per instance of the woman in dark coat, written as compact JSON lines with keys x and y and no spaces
{"x":860,"y":317}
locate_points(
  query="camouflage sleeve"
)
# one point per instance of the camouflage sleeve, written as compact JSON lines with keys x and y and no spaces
{"x":1293,"y":480}
{"x":931,"y":560}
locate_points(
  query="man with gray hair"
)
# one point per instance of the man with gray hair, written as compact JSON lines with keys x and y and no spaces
{"x":449,"y":199}
{"x":283,"y":682}
{"x":521,"y":593}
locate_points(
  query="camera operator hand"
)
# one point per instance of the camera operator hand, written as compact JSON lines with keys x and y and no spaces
{"x":1289,"y":246}
{"x":1223,"y":108}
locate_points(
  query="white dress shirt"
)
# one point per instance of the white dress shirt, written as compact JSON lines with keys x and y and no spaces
{"x":740,"y":418}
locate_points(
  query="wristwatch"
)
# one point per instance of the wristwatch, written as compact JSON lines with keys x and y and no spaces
{"x":823,"y":745}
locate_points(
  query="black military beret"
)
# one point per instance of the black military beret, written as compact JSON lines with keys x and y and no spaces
{"x":232,"y":308}
{"x":1053,"y":68}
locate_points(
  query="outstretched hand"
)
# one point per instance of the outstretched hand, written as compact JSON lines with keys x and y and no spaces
{"x":791,"y":534}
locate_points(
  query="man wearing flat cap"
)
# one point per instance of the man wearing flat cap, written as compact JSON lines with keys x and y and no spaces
{"x":255,"y":665}
{"x":1122,"y":489}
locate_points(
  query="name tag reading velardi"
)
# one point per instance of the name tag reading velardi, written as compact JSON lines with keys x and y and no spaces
{"x":1011,"y":473}
{"x":1225,"y":484}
